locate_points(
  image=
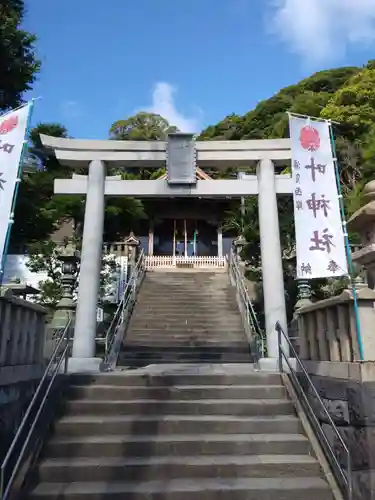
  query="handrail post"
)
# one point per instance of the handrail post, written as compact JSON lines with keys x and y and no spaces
{"x":346,"y":478}
{"x":66,"y":360}
{"x":280,"y":352}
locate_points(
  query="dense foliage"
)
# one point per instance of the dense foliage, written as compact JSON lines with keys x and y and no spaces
{"x":344,"y":95}
{"x":18,"y":63}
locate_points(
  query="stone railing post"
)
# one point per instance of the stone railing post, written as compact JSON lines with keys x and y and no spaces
{"x":303,"y":300}
{"x":328,"y":332}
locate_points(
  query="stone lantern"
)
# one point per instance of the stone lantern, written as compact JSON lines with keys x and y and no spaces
{"x":65,"y":308}
{"x":238,"y":245}
{"x":303,"y":286}
{"x":132,"y":245}
{"x":363,"y":223}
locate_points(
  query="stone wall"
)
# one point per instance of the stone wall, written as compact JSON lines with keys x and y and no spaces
{"x":16,"y":391}
{"x":348,"y":391}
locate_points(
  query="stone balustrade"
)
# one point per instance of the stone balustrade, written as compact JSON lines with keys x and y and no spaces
{"x":22,"y":362}
{"x":22,"y":332}
{"x":327,"y":329}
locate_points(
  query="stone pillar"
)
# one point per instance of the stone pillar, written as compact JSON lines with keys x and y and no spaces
{"x":219,"y":241}
{"x":83,"y":358}
{"x":151,"y":239}
{"x":272,"y":270}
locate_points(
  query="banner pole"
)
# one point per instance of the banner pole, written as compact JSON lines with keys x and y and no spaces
{"x":16,"y":189}
{"x":315,"y":118}
{"x":347,"y":243}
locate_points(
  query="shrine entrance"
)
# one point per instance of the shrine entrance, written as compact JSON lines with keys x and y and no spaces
{"x":186,"y":238}
{"x":182,"y":156}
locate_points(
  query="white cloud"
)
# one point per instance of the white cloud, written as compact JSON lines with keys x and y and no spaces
{"x":71,"y":109}
{"x":321,"y":30}
{"x":163,"y":103}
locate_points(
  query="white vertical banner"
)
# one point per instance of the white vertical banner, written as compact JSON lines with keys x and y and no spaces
{"x":13,"y":128}
{"x":320,"y":244}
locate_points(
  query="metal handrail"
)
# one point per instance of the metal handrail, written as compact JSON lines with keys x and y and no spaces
{"x":18,"y":453}
{"x":345,"y":480}
{"x":250,"y":315}
{"x":116,"y":330}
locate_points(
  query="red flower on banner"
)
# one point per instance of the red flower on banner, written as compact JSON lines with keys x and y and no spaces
{"x":8,"y":125}
{"x":309,"y":138}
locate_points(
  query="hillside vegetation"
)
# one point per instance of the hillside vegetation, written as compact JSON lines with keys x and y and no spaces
{"x":345,"y":95}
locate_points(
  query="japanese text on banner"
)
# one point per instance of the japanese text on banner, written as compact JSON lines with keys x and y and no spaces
{"x":320,"y":244}
{"x":13,"y":127}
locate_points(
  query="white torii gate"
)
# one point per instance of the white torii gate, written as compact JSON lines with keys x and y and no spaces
{"x":96,"y":156}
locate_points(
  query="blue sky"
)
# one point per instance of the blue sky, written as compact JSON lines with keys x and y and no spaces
{"x":194,"y":62}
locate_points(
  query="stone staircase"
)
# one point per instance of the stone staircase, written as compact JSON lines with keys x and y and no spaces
{"x":185,"y":317}
{"x":184,"y":432}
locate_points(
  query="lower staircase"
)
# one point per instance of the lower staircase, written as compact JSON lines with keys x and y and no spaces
{"x":184,"y":432}
{"x":185,"y":317}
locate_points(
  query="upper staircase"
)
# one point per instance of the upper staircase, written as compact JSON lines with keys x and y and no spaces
{"x":186,"y":317}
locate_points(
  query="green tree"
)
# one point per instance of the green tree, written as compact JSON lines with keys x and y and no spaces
{"x":18,"y":63}
{"x":142,"y":127}
{"x":353,"y":105}
{"x":38,"y":212}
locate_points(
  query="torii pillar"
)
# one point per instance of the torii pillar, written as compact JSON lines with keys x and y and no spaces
{"x":83,"y":355}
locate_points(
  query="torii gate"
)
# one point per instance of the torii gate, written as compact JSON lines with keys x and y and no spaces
{"x":181,"y":154}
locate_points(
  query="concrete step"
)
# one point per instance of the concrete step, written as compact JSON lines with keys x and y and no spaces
{"x":178,"y":313}
{"x":168,"y":297}
{"x":181,"y":407}
{"x":200,"y":311}
{"x":185,"y":329}
{"x":183,"y":322}
{"x":181,"y":317}
{"x":178,"y":377}
{"x":176,"y":424}
{"x":192,"y":290}
{"x":176,"y":445}
{"x":146,"y":359}
{"x":183,"y":299}
{"x":174,"y":350}
{"x":203,"y":327}
{"x":197,"y":467}
{"x":188,"y":340}
{"x":210,"y":345}
{"x":184,"y":343}
{"x":290,"y":488}
{"x":196,"y":286}
{"x":143,"y":362}
{"x":117,"y":393}
{"x":227,"y":335}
